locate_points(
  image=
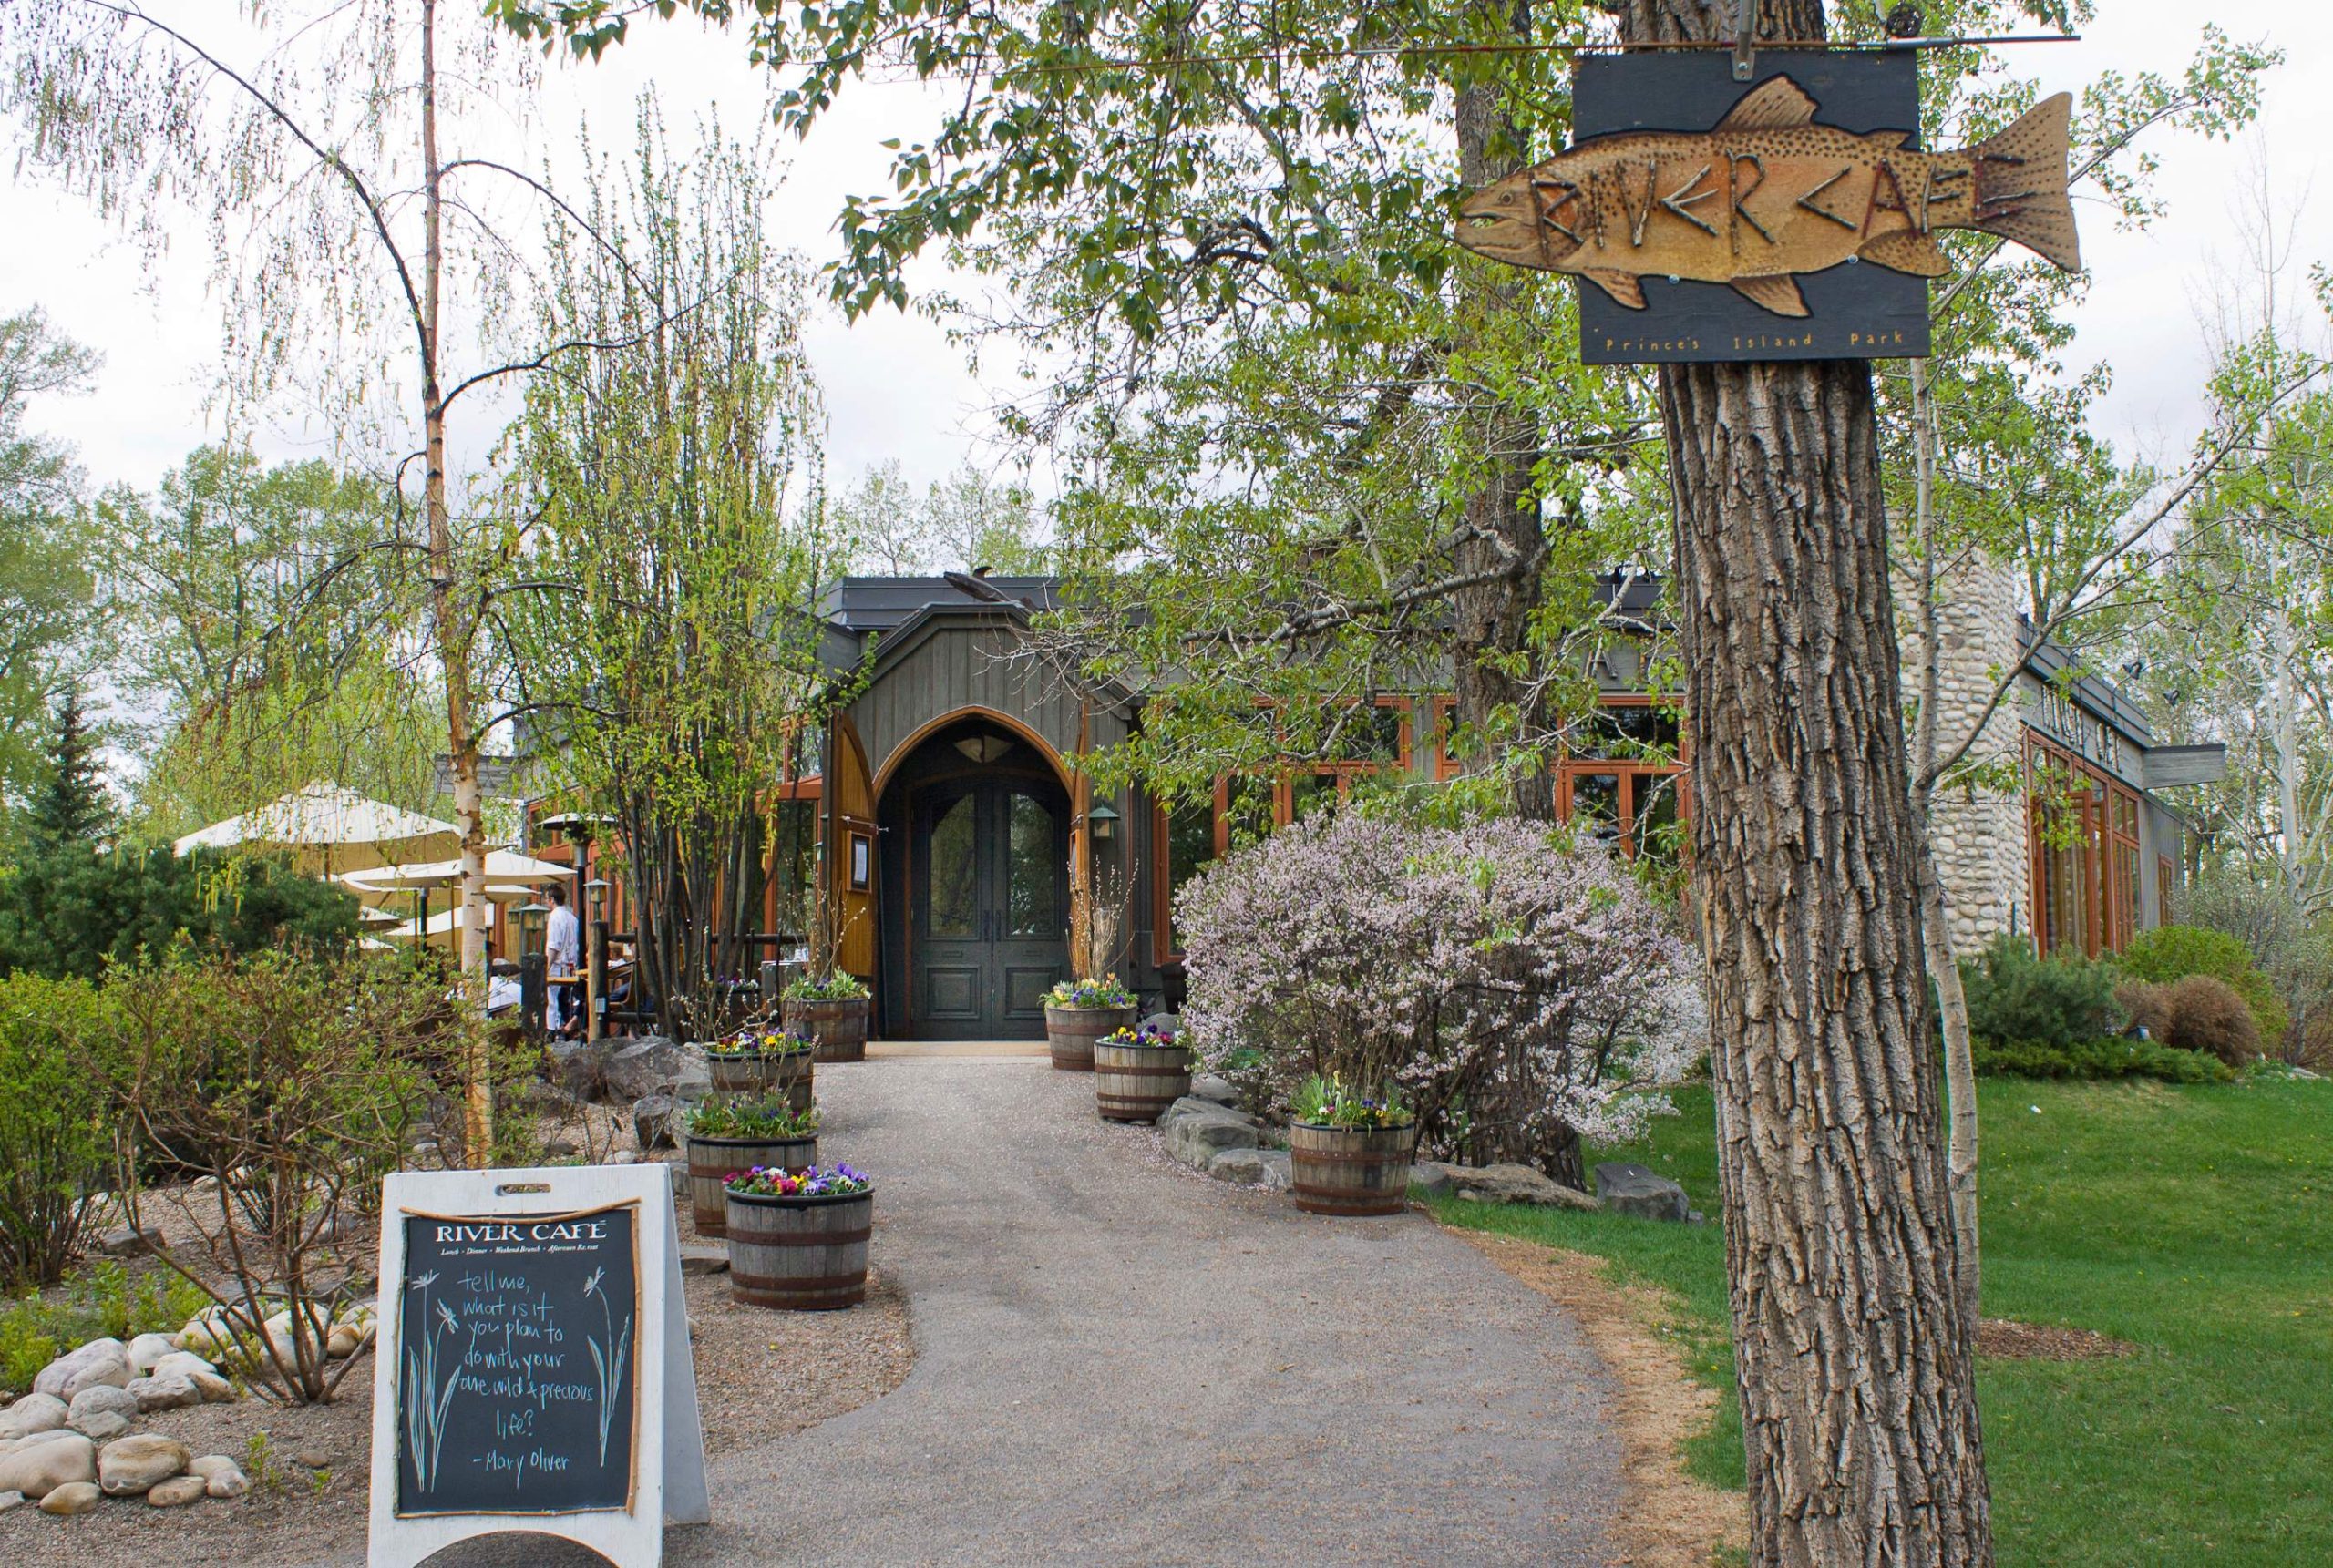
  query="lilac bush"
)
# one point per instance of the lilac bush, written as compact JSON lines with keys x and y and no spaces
{"x":1520,"y":995}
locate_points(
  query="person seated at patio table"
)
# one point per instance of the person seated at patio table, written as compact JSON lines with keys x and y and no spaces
{"x":502,"y":990}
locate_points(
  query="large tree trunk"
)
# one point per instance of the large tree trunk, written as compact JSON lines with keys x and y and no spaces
{"x":1502,"y":535}
{"x":1854,"y":1356}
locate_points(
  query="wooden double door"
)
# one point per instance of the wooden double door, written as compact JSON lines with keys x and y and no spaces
{"x":988,"y":925}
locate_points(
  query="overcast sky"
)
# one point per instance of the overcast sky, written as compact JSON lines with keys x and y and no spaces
{"x":896,"y":388}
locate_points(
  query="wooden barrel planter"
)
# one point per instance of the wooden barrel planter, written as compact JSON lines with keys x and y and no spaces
{"x":1349,"y":1170}
{"x":765,"y":1073}
{"x":839,"y":1028}
{"x":1137,"y":1082}
{"x":801,"y":1254}
{"x":710,"y":1160}
{"x":1071,"y":1032}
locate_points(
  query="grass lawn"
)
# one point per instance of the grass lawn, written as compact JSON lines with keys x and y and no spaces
{"x":2193,"y":1222}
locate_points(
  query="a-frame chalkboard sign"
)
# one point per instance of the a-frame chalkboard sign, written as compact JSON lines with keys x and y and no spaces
{"x":534,"y":1372}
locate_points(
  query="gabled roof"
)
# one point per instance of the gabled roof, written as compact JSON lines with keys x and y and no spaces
{"x":864,"y":604}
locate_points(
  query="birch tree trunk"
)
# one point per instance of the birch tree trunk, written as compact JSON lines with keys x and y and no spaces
{"x":450,"y":623}
{"x":1854,"y":1354}
{"x":1944,"y":964}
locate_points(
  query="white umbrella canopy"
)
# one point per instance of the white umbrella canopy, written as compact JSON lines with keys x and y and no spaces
{"x":331,"y":824}
{"x":442,"y":926}
{"x":504,"y":870}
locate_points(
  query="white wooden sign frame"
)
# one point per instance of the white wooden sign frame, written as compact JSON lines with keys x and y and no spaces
{"x":669,"y":1479}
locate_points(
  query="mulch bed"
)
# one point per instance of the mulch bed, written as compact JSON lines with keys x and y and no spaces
{"x":2008,"y":1341}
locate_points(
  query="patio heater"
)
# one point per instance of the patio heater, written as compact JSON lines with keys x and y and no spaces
{"x":532,"y":966}
{"x":595,"y":959}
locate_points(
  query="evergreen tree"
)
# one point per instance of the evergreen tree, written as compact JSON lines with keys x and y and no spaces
{"x":72,"y":805}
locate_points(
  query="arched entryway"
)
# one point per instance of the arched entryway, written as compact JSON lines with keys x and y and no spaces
{"x":974,"y":907}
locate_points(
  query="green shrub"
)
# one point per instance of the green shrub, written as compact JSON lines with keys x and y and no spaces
{"x":26,"y":1344}
{"x":2170,"y":953}
{"x":2062,"y":1000}
{"x":2114,"y":1058}
{"x":57,"y":1124}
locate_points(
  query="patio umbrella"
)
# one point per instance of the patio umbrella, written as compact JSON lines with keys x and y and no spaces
{"x":330,"y":827}
{"x":504,"y":867}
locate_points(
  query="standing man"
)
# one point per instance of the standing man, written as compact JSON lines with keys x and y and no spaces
{"x":562,"y":952}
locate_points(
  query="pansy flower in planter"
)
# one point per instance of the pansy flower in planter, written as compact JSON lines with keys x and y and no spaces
{"x":1150,"y":1036}
{"x":760,"y":1039}
{"x":1105,"y":992}
{"x":809,"y":1182}
{"x":1331,"y":1102}
{"x":735,"y":1116}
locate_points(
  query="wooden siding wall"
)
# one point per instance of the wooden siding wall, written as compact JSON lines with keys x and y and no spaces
{"x":854,"y":812}
{"x":953,"y":667}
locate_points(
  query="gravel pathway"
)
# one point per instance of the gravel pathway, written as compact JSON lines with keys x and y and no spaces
{"x":1122,"y":1362}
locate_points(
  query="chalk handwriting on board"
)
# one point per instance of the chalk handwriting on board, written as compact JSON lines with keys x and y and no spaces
{"x":517,"y":1377}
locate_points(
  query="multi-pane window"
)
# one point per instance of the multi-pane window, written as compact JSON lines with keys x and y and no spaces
{"x":1621,"y":779}
{"x":2084,"y":828}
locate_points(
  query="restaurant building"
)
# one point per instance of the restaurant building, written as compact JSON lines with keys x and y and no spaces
{"x":949,"y":810}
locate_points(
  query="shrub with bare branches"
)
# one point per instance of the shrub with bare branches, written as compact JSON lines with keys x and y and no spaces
{"x":275,"y":1090}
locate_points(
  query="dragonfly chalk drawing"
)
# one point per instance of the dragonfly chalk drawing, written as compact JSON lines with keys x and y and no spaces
{"x":1769,"y":195}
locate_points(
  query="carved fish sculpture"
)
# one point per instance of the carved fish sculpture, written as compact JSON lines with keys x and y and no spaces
{"x":1769,"y":195}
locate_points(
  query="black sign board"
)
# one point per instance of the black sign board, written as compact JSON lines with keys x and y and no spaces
{"x":517,"y":1354}
{"x":1854,"y":310}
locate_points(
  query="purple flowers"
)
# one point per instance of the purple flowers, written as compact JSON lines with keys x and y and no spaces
{"x":1151,"y":1036}
{"x":809,"y":1182}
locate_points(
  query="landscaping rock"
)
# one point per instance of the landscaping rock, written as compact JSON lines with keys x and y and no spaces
{"x":624,"y":1157}
{"x":177,"y":1491}
{"x":1266,"y":1168}
{"x":1433,"y":1179}
{"x":559,"y":1148}
{"x":17,"y":1445}
{"x":146,"y":1351}
{"x":1198,"y":1130}
{"x":221,"y":1476}
{"x":1208,"y":1086}
{"x":182,"y":1364}
{"x":174,"y":1392}
{"x":215,"y":1388}
{"x":651,"y":1122}
{"x":101,"y":1426}
{"x":33,"y":1413}
{"x":1512,"y":1183}
{"x":69,"y":1374}
{"x":11,"y":1500}
{"x":102,"y":1397}
{"x":698,"y":1260}
{"x":59,"y":1459}
{"x":582,"y":1066}
{"x":127,"y":1466}
{"x":649,"y":1066}
{"x":314,"y":1458}
{"x":1631,"y":1189}
{"x":127,"y":1242}
{"x":72,"y":1497}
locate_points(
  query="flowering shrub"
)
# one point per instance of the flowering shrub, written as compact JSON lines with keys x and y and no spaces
{"x":809,"y":1182}
{"x":1105,"y":992}
{"x":1151,"y":1036}
{"x":734,"y":1116}
{"x":838,"y":986}
{"x":762,"y":1040}
{"x":1332,"y":1102}
{"x":1516,"y":995}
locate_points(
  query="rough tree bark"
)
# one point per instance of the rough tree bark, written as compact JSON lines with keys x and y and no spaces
{"x":1854,"y":1356}
{"x":1503,"y":535}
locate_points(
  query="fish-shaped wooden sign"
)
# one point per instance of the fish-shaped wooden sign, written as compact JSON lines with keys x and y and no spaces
{"x":1769,"y":195}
